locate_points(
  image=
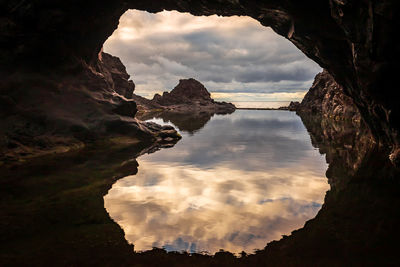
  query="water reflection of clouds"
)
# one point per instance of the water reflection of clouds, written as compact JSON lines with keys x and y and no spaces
{"x":248,"y":140}
{"x":202,"y":195}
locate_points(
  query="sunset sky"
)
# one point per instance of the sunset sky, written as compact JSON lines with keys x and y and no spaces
{"x":236,"y":58}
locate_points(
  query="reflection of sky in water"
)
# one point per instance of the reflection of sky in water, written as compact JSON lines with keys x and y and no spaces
{"x":243,"y":180}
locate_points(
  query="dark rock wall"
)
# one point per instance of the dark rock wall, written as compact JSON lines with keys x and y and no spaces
{"x":327,"y":98}
{"x":352,"y":39}
{"x":53,"y":112}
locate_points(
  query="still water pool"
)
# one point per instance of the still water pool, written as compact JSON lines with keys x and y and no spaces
{"x":235,"y":183}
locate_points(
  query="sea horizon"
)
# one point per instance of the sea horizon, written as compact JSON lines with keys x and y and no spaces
{"x":260,"y":104}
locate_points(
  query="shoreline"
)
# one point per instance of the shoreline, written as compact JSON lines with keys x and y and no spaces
{"x":282,"y":108}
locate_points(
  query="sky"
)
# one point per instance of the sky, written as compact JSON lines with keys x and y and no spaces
{"x":236,"y":58}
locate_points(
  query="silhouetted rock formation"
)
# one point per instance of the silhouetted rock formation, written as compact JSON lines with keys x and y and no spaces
{"x":190,"y":95}
{"x":327,"y":98}
{"x":188,"y":91}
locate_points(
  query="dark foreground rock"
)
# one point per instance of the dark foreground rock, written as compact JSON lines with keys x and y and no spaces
{"x":64,"y":111}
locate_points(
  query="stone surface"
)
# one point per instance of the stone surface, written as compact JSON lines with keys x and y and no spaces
{"x":327,"y":98}
{"x":115,"y":74}
{"x":55,"y":112}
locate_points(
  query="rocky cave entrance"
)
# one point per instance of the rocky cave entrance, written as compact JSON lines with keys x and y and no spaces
{"x":184,"y":40}
{"x":236,"y":58}
{"x":351,"y":40}
{"x":53,"y":94}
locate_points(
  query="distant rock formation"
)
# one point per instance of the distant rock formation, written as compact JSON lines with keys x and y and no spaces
{"x":188,"y":91}
{"x":294,"y":105}
{"x":188,"y":96}
{"x":327,"y":98}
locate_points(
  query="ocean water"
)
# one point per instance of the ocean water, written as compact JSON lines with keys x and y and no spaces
{"x":235,"y":183}
{"x":261,"y":104}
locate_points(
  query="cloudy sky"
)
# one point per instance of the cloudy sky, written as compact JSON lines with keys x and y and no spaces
{"x":236,"y":58}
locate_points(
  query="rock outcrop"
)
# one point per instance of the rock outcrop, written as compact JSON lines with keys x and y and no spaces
{"x":115,"y":74}
{"x":327,"y":98}
{"x":191,"y":95}
{"x":188,"y":91}
{"x":59,"y":112}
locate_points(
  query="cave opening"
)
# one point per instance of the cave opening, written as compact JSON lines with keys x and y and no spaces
{"x":183,"y":191}
{"x":236,"y":58}
{"x":57,"y":100}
